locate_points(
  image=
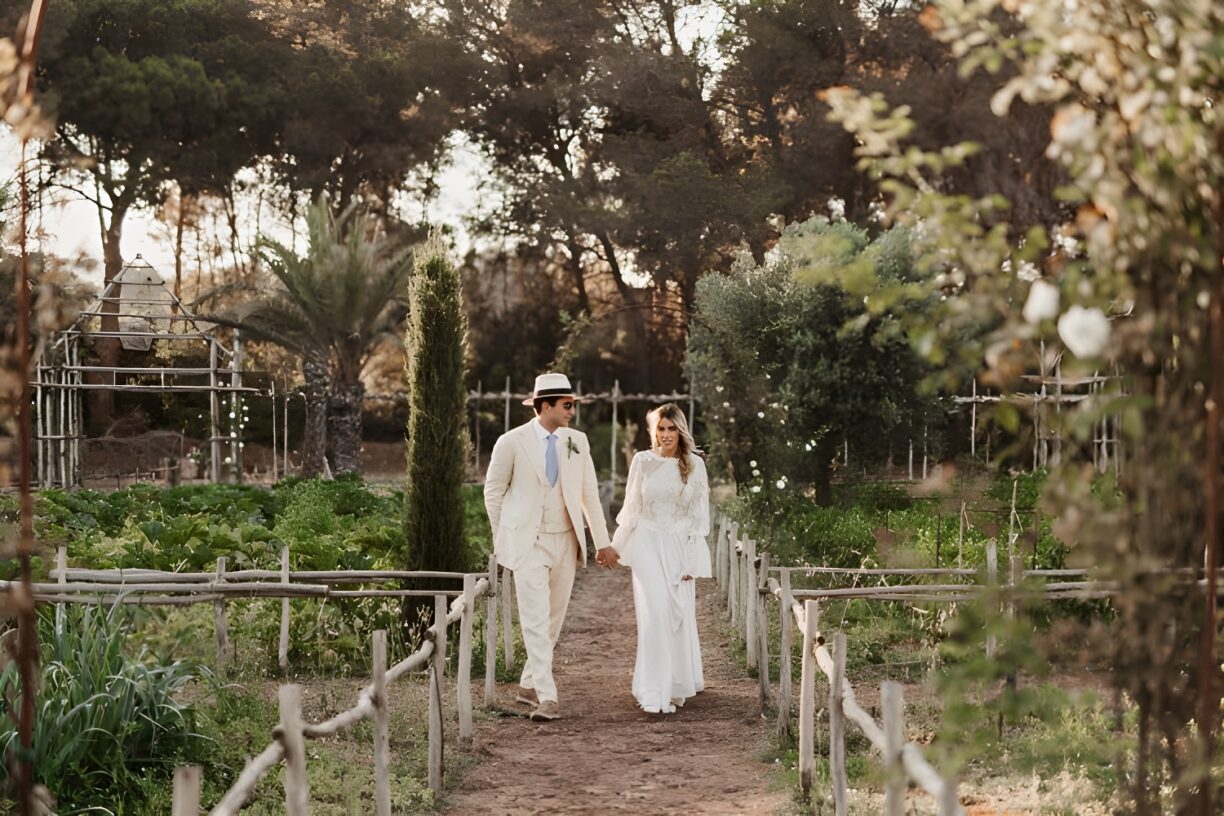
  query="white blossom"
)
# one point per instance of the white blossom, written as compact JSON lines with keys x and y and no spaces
{"x":755,"y":488}
{"x":781,"y":484}
{"x":1042,"y":303}
{"x":1084,"y":331}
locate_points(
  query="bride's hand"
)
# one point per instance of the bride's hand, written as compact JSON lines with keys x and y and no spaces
{"x":686,"y":578}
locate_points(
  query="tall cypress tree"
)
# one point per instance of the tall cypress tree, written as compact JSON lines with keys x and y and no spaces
{"x":437,"y":428}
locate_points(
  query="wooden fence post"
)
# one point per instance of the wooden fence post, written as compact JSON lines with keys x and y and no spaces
{"x":720,"y":543}
{"x":437,"y":664}
{"x":220,"y":624}
{"x":807,"y":698}
{"x":61,"y":564}
{"x":507,"y":620}
{"x":949,"y":804}
{"x":837,"y":726}
{"x":282,"y":652}
{"x":784,"y":658}
{"x":758,"y":610}
{"x":733,"y":576}
{"x":490,"y":690}
{"x":893,"y":703}
{"x":506,"y":428}
{"x":464,"y":670}
{"x":382,"y":747}
{"x":187,"y":779}
{"x":749,"y":603}
{"x":297,"y":787}
{"x":992,"y":581}
{"x":732,"y":564}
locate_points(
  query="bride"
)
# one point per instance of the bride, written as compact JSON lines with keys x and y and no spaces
{"x":661,"y":535}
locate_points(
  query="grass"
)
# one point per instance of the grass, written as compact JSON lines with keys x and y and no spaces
{"x":1059,"y":746}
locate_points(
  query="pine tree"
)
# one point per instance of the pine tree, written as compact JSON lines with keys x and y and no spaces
{"x":437,"y":428}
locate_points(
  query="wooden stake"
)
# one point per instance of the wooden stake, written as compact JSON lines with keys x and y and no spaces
{"x":282,"y":652}
{"x":382,"y":740}
{"x":837,"y":726}
{"x":992,"y":581}
{"x":187,"y":780}
{"x":490,"y":689}
{"x":463,"y":683}
{"x":762,"y":637}
{"x":784,"y":658}
{"x":749,"y":604}
{"x":437,"y":665}
{"x":61,"y":563}
{"x":297,"y":787}
{"x":894,"y":738}
{"x":807,"y":698}
{"x":220,"y":624}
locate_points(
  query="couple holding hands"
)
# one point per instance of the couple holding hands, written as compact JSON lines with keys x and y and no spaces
{"x":540,"y":488}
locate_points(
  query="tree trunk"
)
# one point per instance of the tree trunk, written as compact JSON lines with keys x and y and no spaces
{"x":314,"y":441}
{"x":575,"y":265}
{"x":102,"y":401}
{"x":178,"y":247}
{"x":344,"y":406}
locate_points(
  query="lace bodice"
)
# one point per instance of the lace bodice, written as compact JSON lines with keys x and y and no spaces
{"x":656,"y":497}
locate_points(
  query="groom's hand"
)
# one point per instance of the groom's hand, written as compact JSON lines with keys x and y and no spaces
{"x":607,"y":557}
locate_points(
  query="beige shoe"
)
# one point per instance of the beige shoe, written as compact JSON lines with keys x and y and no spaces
{"x":678,"y":702}
{"x":526,"y":696}
{"x":547,"y":711}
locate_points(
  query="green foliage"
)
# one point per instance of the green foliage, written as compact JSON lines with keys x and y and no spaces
{"x":106,"y":722}
{"x":975,"y":689}
{"x":434,"y":516}
{"x":327,"y":525}
{"x":803,"y":353}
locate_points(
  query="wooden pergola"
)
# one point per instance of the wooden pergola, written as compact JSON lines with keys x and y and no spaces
{"x":137,"y":310}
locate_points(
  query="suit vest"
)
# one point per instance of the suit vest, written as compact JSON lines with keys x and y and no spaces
{"x":555,"y":519}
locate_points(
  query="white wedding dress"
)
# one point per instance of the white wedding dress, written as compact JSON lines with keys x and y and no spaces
{"x":661,"y":535}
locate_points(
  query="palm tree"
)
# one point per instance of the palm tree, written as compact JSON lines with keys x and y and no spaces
{"x":332,"y":307}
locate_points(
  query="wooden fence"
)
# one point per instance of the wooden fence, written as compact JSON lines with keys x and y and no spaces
{"x":746,"y":580}
{"x":152,"y":587}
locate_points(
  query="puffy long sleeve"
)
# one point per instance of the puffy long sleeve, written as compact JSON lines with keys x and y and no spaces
{"x":631,"y":510}
{"x":696,"y":550}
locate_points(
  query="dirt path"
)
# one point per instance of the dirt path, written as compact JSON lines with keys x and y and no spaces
{"x":607,"y":756}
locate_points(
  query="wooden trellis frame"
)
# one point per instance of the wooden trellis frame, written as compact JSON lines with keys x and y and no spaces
{"x":137,"y":295}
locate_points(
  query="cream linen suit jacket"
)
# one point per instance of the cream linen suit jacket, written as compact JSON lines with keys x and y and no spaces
{"x":516,"y":487}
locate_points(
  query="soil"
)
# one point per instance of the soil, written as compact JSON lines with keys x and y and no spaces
{"x":606,"y":755}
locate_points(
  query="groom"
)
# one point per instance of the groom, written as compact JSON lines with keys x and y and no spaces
{"x":539,"y":487}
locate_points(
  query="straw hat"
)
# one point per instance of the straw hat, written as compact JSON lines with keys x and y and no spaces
{"x":550,"y":385}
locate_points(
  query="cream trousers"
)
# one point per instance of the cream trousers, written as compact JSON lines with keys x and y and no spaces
{"x":543,"y":583}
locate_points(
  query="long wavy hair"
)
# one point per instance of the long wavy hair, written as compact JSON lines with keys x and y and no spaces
{"x":685,"y":446}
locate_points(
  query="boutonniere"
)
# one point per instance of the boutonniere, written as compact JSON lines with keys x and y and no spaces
{"x":570,"y":446}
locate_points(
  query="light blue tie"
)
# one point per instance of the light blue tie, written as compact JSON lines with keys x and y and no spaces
{"x":551,"y":468}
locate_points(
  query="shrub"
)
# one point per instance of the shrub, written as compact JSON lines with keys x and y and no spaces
{"x":105,"y":721}
{"x":806,"y":351}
